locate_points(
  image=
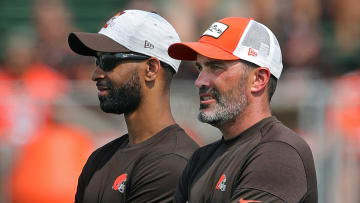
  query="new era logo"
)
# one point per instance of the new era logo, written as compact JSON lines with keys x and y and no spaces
{"x":252,"y":52}
{"x":148,"y":45}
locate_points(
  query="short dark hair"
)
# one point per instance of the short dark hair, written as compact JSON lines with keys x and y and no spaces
{"x":272,"y":82}
{"x":169,"y":71}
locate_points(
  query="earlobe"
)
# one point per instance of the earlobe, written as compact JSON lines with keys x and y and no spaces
{"x":261,"y":77}
{"x":152,"y":69}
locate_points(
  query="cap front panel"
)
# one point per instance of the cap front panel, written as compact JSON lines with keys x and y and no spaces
{"x":144,"y":32}
{"x":228,"y":39}
{"x":121,"y":28}
{"x":235,"y":38}
{"x":156,"y":36}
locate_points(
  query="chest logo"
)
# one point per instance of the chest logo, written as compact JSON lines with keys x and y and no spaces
{"x":221,"y":184}
{"x":247,"y":201}
{"x":119,"y":183}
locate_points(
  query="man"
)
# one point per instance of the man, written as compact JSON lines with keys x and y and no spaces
{"x":133,"y":77}
{"x":258,"y":159}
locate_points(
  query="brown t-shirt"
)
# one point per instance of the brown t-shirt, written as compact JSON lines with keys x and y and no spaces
{"x":266,"y":163}
{"x":145,"y":172}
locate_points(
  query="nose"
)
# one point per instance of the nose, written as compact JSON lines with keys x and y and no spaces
{"x":202,"y":79}
{"x":98,"y":74}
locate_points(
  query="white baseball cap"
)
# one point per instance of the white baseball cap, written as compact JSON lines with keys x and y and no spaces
{"x":130,"y":30}
{"x":232,"y":39}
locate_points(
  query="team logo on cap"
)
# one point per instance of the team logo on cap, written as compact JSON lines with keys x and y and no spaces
{"x":119,"y":183}
{"x":221,"y":184}
{"x":111,"y":22}
{"x":216,"y":30}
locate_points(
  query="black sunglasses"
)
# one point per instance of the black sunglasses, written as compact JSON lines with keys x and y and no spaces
{"x":108,"y":61}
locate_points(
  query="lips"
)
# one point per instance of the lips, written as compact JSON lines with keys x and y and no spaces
{"x":102,"y":88}
{"x":204,"y":97}
{"x":103,"y":85}
{"x":207,"y":98}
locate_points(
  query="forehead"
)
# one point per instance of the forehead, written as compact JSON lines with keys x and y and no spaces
{"x":205,"y":61}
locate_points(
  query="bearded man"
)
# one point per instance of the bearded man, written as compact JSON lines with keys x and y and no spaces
{"x":133,"y":77}
{"x":258,"y":159}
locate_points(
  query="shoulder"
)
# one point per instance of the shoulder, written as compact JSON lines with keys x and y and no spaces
{"x":175,"y":142}
{"x":275,"y":131}
{"x":185,"y":145}
{"x":283,"y":141}
{"x":109,"y":148}
{"x":281,"y":158}
{"x":277,"y":168}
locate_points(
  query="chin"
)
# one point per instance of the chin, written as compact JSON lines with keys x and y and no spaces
{"x":206,"y":116}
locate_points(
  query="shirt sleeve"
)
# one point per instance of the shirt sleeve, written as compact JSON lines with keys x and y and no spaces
{"x":156,"y":180}
{"x":273,"y":172}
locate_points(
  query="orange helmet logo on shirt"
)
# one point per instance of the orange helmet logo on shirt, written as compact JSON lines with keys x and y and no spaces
{"x":221,"y":184}
{"x":119,"y":183}
{"x":247,"y":201}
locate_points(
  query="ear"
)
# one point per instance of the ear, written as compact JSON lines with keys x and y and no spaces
{"x":152,"y":69}
{"x":260,"y":78}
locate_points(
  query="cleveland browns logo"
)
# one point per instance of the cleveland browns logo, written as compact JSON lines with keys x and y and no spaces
{"x":111,"y":21}
{"x":247,"y":201}
{"x":119,"y":184}
{"x":221,"y":184}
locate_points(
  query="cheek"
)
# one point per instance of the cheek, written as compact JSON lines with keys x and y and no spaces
{"x":120,"y":77}
{"x":228,"y":82}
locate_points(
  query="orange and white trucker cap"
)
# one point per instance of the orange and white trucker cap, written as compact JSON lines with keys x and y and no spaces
{"x":232,"y":39}
{"x":130,"y":30}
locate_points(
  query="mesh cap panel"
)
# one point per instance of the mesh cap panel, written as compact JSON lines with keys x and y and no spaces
{"x":257,"y":38}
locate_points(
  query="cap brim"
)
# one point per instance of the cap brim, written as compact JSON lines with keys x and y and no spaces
{"x":88,"y":44}
{"x":189,"y":51}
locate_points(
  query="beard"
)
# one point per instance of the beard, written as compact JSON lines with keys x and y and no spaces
{"x":123,"y":99}
{"x":227,"y":107}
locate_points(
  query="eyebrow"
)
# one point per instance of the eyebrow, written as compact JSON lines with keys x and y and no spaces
{"x":210,"y":63}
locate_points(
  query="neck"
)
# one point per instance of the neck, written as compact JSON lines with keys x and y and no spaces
{"x":152,"y":116}
{"x":249,"y":117}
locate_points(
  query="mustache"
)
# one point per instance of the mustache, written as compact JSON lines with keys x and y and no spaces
{"x":212,"y":91}
{"x":104,"y":83}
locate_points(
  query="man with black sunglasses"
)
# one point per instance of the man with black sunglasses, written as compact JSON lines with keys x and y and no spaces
{"x":133,"y":77}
